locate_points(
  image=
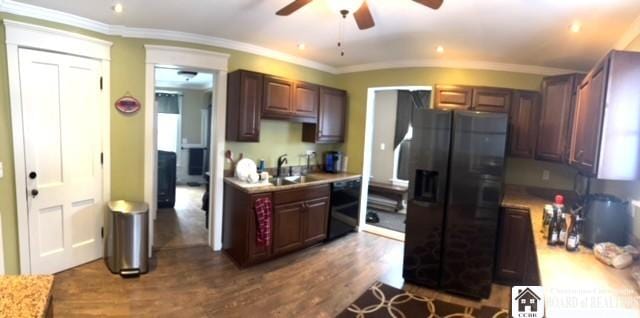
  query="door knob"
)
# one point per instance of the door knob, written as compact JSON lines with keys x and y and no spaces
{"x":34,"y":192}
{"x":33,"y":175}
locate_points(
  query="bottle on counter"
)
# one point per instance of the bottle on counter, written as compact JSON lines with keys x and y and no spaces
{"x":573,"y":238}
{"x":561,"y":224}
{"x":546,"y":218}
{"x":562,"y":229}
{"x":553,"y":230}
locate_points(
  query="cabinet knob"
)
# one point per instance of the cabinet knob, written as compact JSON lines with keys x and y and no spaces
{"x":34,"y":193}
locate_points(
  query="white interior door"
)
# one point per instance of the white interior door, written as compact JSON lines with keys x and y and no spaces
{"x":62,"y":131}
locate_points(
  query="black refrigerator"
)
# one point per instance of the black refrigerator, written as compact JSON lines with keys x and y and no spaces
{"x":455,"y":188}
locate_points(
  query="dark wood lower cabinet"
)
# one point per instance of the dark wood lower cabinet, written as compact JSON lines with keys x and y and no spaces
{"x":516,"y":260}
{"x":287,"y":227}
{"x":300,"y":219}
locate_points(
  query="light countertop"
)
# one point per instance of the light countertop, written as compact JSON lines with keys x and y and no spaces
{"x":25,"y":295}
{"x":317,"y":179}
{"x":576,"y":284}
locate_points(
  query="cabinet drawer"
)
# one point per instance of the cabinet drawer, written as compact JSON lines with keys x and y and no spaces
{"x":302,"y":194}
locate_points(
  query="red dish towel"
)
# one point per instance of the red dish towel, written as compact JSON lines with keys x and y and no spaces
{"x":264,"y":213}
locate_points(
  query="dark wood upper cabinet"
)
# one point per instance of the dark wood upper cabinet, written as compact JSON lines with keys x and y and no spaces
{"x":305,"y":102}
{"x":556,"y":115}
{"x":453,"y":97}
{"x":244,"y":103}
{"x":252,"y":96}
{"x":516,"y":260}
{"x":606,"y":131}
{"x":488,"y":99}
{"x":525,"y":113}
{"x":278,"y":97}
{"x":332,"y":112}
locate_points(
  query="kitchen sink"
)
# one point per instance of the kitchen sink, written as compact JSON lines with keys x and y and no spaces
{"x":290,"y":180}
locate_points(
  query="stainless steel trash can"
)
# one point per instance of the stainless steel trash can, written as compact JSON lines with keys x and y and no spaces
{"x":127,"y":248}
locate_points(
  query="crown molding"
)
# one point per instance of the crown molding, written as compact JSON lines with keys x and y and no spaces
{"x":460,"y":64}
{"x":628,"y":36}
{"x":23,"y":9}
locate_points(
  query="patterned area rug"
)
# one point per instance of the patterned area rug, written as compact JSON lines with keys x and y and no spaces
{"x":381,"y":300}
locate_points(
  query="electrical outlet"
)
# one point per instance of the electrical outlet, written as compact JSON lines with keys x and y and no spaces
{"x":1,"y":170}
{"x":545,"y":175}
{"x":382,"y":146}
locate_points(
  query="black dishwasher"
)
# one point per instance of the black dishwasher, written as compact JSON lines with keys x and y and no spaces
{"x":345,"y":208}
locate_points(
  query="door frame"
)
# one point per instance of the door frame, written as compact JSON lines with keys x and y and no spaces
{"x":211,"y":61}
{"x":366,"y":160}
{"x":24,"y":35}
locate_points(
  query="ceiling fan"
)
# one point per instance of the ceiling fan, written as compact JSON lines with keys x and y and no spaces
{"x":362,"y":14}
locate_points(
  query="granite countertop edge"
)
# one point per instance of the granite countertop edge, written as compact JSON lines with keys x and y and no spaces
{"x":319,"y":179}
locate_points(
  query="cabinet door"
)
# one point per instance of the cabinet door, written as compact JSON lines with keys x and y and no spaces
{"x":288,"y":227}
{"x":491,"y":100}
{"x":453,"y":97}
{"x":256,"y":252}
{"x":278,"y":97}
{"x":558,"y":101}
{"x":532,"y":271}
{"x":515,"y":230}
{"x":243,"y":106}
{"x":331,"y":115}
{"x":305,"y":102}
{"x":524,"y":124}
{"x":588,"y":121}
{"x":316,"y":220}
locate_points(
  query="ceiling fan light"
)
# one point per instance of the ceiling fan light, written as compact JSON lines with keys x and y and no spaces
{"x":187,"y":75}
{"x":348,"y":5}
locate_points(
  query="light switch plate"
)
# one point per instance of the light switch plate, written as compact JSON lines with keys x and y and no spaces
{"x":545,"y":175}
{"x":382,"y":146}
{"x":1,"y":171}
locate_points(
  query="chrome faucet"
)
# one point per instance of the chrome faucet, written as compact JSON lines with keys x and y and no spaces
{"x":281,"y":160}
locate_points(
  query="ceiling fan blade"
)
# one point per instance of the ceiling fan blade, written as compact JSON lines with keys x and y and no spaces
{"x":433,"y":4}
{"x":363,"y":17}
{"x":293,"y":7}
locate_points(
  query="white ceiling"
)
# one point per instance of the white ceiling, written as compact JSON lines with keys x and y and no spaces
{"x":527,"y":32}
{"x":169,"y":78}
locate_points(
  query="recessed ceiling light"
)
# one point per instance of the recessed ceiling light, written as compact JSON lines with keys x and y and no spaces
{"x":440,"y":49}
{"x":118,"y":8}
{"x":575,"y":27}
{"x":301,"y":46}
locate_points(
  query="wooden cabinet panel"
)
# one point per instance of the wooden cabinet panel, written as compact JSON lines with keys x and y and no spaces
{"x":488,"y":99}
{"x":556,"y":115}
{"x":288,"y":227}
{"x":453,"y":97}
{"x":244,"y":104}
{"x":332,"y":112}
{"x":278,"y":97}
{"x":305,"y":102}
{"x":588,"y":121}
{"x":531,"y":270}
{"x":513,"y":236}
{"x":524,"y":124}
{"x":316,"y":220}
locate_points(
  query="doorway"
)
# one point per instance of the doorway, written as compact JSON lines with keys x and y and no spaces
{"x":386,"y":157}
{"x":183,"y":105}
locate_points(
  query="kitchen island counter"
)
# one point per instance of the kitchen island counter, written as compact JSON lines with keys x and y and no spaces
{"x":575,"y":284}
{"x":25,"y":295}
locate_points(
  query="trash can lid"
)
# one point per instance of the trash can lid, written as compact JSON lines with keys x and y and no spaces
{"x":123,"y":206}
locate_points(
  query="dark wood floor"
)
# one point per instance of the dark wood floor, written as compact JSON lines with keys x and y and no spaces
{"x":196,"y":282}
{"x":183,"y":225}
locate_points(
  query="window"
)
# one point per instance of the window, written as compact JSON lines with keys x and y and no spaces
{"x":523,"y":301}
{"x":531,"y":301}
